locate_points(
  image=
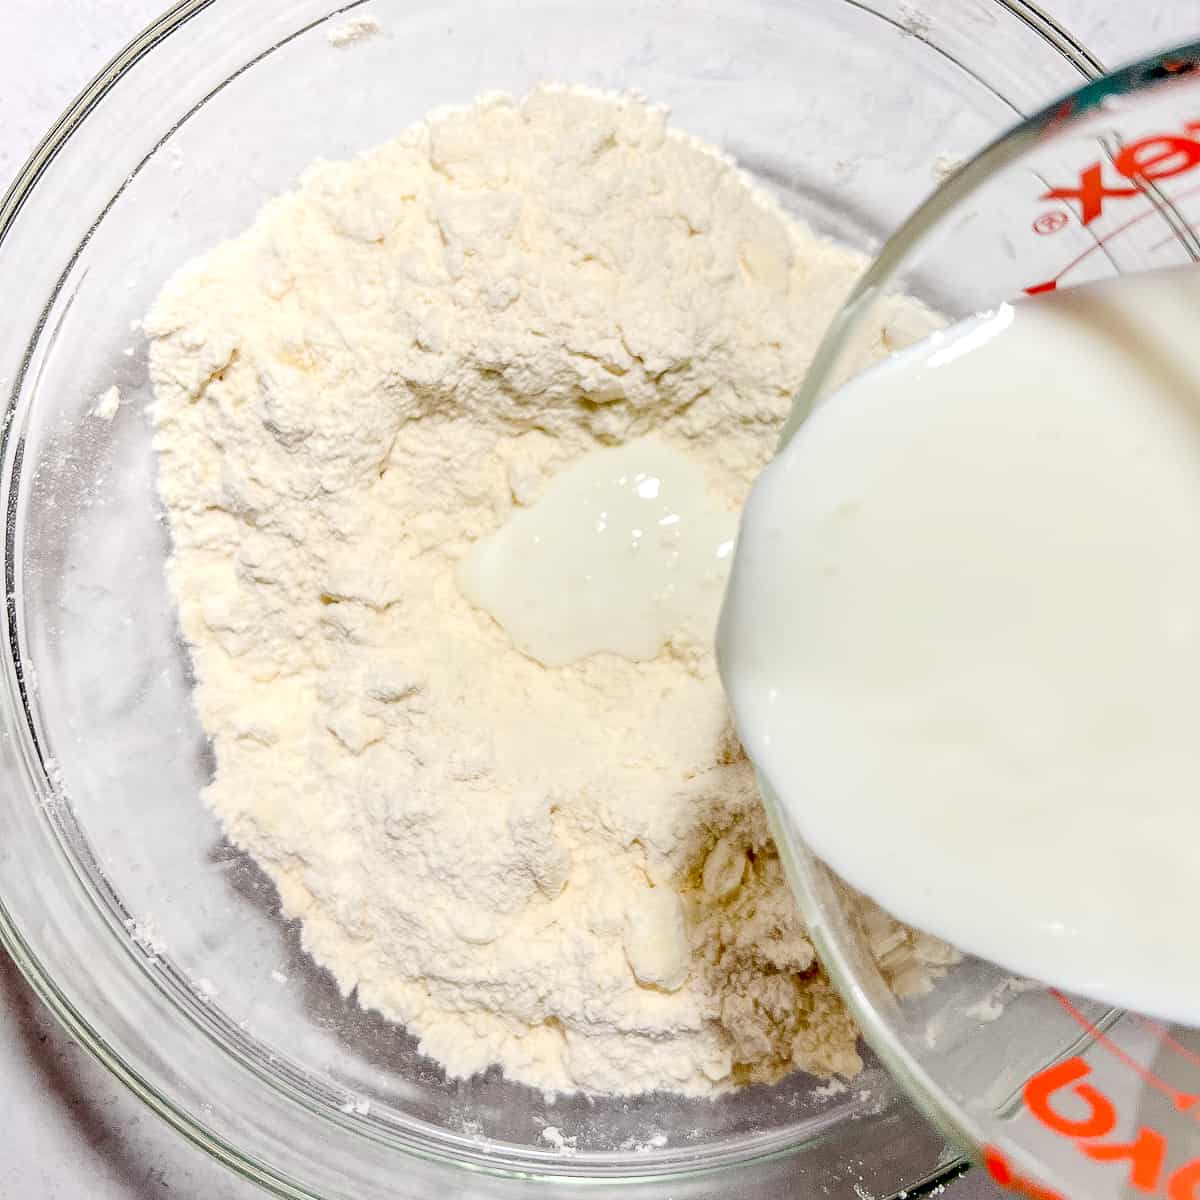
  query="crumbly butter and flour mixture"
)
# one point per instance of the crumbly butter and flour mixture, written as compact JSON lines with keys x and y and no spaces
{"x":565,"y":871}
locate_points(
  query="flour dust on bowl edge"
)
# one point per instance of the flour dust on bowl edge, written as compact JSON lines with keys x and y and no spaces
{"x":1059,"y":1095}
{"x":154,"y":942}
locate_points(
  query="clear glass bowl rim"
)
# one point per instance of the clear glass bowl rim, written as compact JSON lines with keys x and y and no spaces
{"x":14,"y":941}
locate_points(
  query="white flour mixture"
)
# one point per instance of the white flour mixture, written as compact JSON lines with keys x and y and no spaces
{"x":565,"y":870}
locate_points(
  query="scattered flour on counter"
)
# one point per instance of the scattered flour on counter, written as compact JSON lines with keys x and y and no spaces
{"x":356,"y":29}
{"x":554,"y":1137}
{"x":644,"y":1145}
{"x":398,"y":355}
{"x":944,"y":165}
{"x":835,"y":1087}
{"x":107,"y":403}
{"x":147,"y":939}
{"x":914,"y":20}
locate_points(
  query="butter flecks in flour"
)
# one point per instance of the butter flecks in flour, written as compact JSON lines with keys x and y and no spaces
{"x":963,"y":616}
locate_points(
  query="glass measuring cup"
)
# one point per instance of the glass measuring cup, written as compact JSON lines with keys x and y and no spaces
{"x":1058,"y":1096}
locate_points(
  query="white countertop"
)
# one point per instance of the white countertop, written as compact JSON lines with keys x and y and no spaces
{"x":70,"y":1130}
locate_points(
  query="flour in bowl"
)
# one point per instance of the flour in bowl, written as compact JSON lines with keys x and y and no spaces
{"x":562,"y":870}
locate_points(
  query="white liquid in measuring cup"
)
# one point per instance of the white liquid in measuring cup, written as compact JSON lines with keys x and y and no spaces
{"x":962,"y":637}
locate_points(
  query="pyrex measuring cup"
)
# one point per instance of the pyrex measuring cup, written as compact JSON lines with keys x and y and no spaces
{"x":1056,"y":1094}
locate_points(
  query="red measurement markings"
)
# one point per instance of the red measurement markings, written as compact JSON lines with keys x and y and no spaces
{"x":1000,"y":1169}
{"x":1161,"y":1032}
{"x":1063,"y":1100}
{"x":1050,"y":222}
{"x":1159,"y":156}
{"x":1050,"y":284}
{"x":1181,"y":1100}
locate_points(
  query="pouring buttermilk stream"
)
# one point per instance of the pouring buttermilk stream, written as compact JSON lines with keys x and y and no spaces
{"x":962,"y":630}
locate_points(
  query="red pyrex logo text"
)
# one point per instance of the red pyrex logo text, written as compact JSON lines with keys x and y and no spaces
{"x":1143,"y":1158}
{"x":1159,"y":156}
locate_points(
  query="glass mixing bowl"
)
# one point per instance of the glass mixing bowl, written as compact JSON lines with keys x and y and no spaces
{"x":1057,"y":1094}
{"x":157,"y":944}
